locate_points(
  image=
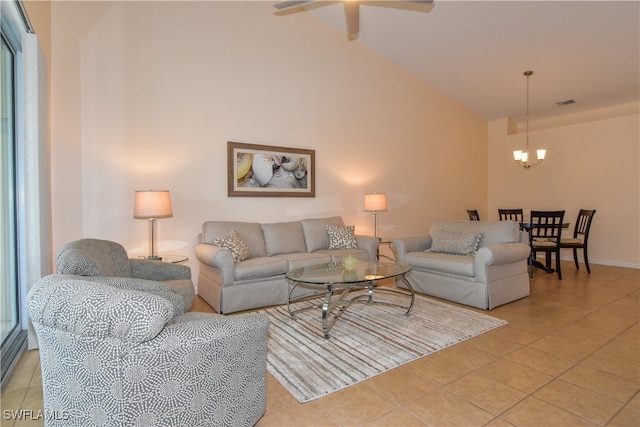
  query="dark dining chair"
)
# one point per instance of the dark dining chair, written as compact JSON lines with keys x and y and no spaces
{"x":545,"y":234}
{"x":473,"y":215}
{"x":511,"y":214}
{"x":580,"y":237}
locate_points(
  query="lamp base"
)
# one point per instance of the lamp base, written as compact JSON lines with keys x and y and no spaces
{"x":153,"y":258}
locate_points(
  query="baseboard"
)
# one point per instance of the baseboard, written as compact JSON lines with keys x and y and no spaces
{"x":603,"y":262}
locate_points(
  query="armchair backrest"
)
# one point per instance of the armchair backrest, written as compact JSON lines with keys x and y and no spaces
{"x":93,"y":257}
{"x":493,"y":232}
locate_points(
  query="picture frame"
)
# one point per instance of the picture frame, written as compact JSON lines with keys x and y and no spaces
{"x":255,"y":170}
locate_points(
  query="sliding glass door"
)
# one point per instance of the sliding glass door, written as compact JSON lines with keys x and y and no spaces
{"x":10,"y":323}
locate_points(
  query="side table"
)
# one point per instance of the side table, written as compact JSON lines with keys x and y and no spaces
{"x":389,"y":242}
{"x":173,"y":259}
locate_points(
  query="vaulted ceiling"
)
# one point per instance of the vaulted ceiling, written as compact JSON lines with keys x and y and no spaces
{"x":477,"y":51}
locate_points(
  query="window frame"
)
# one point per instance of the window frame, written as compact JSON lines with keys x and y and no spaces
{"x":13,"y":25}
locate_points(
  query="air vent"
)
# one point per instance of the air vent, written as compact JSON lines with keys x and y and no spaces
{"x":567,"y":102}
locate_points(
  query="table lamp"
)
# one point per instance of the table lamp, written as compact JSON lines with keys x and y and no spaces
{"x":375,"y":202}
{"x":152,"y":205}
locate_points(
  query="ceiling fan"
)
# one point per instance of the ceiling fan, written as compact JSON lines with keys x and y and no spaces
{"x":351,"y":9}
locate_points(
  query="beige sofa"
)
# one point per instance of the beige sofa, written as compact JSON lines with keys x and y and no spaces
{"x":231,"y":285}
{"x":492,"y":272}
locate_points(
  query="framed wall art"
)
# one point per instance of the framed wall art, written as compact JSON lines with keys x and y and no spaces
{"x":268,"y":171}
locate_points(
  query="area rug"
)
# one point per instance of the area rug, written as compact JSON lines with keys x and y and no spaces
{"x":366,"y":341}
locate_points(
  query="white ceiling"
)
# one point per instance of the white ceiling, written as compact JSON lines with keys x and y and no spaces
{"x":477,"y":51}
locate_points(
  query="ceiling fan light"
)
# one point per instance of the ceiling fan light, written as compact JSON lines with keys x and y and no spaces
{"x":541,"y":154}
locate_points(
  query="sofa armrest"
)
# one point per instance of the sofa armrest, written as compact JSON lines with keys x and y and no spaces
{"x":411,"y":244}
{"x":370,"y":244}
{"x":159,"y":271}
{"x":524,"y":237}
{"x":217,"y":258}
{"x":214,"y":256}
{"x":503,"y":253}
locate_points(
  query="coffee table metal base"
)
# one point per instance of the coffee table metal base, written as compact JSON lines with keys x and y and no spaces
{"x":332,"y":310}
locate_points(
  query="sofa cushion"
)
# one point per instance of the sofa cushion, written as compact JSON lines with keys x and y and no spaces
{"x":443,"y":263}
{"x":493,"y":232}
{"x":337,"y":254}
{"x":342,"y":237}
{"x":249,"y":232}
{"x":283,"y":238}
{"x":454,"y":242}
{"x":315,"y":232}
{"x":234,"y":244}
{"x":255,"y":268}
{"x":305,"y":259}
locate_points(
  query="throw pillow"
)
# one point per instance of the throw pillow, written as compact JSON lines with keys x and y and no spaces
{"x":455,"y":242}
{"x":234,"y":244}
{"x":342,"y":237}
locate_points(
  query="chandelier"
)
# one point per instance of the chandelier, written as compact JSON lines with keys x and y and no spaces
{"x":522,"y":157}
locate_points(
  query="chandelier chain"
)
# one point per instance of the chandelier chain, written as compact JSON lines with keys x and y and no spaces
{"x":527,"y":73}
{"x":522,"y":157}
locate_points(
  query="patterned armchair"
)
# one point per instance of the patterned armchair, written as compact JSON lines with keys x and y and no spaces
{"x":100,"y":259}
{"x":112,"y":355}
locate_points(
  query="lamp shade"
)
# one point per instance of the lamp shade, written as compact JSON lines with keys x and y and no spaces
{"x":375,"y":202}
{"x":152,"y":204}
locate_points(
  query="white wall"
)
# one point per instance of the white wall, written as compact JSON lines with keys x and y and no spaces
{"x":590,"y":165}
{"x":147,"y":94}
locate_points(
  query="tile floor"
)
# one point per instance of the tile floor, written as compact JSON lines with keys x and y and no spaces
{"x":570,"y":356}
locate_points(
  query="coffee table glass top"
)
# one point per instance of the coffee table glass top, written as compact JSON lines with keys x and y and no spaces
{"x":335,"y":273}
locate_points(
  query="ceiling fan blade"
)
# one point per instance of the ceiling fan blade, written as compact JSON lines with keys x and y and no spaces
{"x":293,"y":6}
{"x":352,"y":12}
{"x":412,"y":5}
{"x":351,"y":8}
{"x":284,"y":5}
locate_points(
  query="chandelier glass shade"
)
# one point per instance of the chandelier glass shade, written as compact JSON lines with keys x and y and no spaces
{"x":522,"y":157}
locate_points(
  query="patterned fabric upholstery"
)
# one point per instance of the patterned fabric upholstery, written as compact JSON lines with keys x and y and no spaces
{"x":234,"y":244}
{"x":93,"y":257}
{"x":342,"y":237}
{"x":454,"y":242}
{"x":149,"y":286}
{"x":113,"y":356}
{"x":100,"y":259}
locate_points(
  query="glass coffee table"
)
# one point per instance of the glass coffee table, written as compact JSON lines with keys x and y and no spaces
{"x":339,"y":287}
